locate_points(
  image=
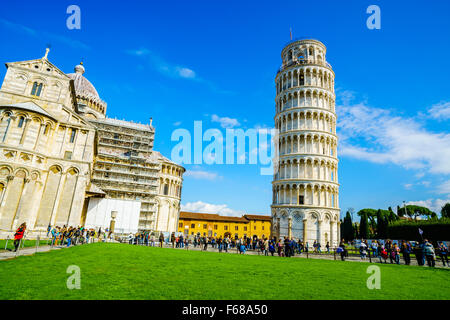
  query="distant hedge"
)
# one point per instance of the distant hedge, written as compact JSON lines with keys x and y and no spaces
{"x":433,"y":230}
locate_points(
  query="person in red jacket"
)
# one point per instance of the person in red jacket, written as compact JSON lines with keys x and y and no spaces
{"x":19,"y":235}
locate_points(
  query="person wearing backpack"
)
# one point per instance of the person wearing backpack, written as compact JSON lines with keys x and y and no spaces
{"x":429,"y":253}
{"x":406,"y":252}
{"x":341,"y":250}
{"x":383,"y":254}
{"x":443,"y":253}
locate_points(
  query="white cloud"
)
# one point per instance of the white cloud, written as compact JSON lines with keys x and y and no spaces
{"x":225,"y":122}
{"x":163,"y":66}
{"x":139,"y":52}
{"x":204,"y":207}
{"x":378,"y":136}
{"x":440,"y":111}
{"x":444,"y":188}
{"x":408,"y":186}
{"x":185,"y":72}
{"x":200,"y":174}
{"x":434,"y":205}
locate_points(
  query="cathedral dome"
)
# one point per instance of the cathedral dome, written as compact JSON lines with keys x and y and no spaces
{"x":83,"y":87}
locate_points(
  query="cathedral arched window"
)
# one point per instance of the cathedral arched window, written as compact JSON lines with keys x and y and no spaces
{"x":36,"y":90}
{"x":47,"y":127}
{"x":166,"y":189}
{"x":21,"y":121}
{"x":72,"y":135}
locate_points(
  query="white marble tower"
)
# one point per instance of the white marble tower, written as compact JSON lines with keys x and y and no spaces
{"x":305,"y":185}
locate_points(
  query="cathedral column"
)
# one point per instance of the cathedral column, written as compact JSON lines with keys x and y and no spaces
{"x":63,"y":141}
{"x":339,"y":232}
{"x":305,"y":231}
{"x":331,"y":233}
{"x":290,"y":227}
{"x":24,"y":132}
{"x":36,"y":143}
{"x":319,"y":226}
{"x":23,"y":198}
{"x":11,"y":118}
{"x":278,"y":228}
{"x":62,"y":178}
{"x":5,"y":191}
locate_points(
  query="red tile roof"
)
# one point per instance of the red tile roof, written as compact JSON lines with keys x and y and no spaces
{"x":257,"y":217}
{"x":210,"y":217}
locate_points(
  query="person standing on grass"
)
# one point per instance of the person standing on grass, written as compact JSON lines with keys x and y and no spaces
{"x":75,"y":236}
{"x":18,"y":236}
{"x":88,"y":233}
{"x":54,"y":234}
{"x":328,"y":247}
{"x":287,"y":247}
{"x":429,"y":253}
{"x":205,"y":242}
{"x":161,"y":240}
{"x":406,"y":252}
{"x":152,"y":240}
{"x":418,"y":252}
{"x":383,"y":254}
{"x":226,"y":243}
{"x":69,"y":235}
{"x":49,"y":228}
{"x":266,"y":247}
{"x":363,"y":251}
{"x":341,"y":250}
{"x":374,"y":246}
{"x":172,"y":239}
{"x":396,"y":253}
{"x":443,"y":253}
{"x":219,"y":244}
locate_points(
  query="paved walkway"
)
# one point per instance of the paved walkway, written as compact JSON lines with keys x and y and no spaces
{"x":28,"y":251}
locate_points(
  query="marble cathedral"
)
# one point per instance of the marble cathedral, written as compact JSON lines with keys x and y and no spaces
{"x":61,"y":156}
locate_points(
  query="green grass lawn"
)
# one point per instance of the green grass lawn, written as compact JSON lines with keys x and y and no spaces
{"x":122,"y":271}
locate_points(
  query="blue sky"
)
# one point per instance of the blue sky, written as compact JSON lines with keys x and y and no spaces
{"x":215,"y":61}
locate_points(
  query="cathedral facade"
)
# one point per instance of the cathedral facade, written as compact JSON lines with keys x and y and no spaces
{"x":59,"y":152}
{"x":305,"y":186}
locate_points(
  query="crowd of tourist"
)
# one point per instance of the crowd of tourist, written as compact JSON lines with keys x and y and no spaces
{"x":424,"y":251}
{"x":65,"y":235}
{"x":68,"y":235}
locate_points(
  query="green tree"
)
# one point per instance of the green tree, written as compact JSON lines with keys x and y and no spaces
{"x":371,"y":215}
{"x":364,"y":226}
{"x":445,"y":211}
{"x":381,"y":228}
{"x":392,"y":215}
{"x":414,"y":211}
{"x":401,"y":212}
{"x":348,"y":233}
{"x":355,"y":231}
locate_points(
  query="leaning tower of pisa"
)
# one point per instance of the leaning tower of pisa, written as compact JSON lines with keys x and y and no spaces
{"x":305,"y":203}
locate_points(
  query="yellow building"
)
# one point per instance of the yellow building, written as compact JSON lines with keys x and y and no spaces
{"x":214,"y":225}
